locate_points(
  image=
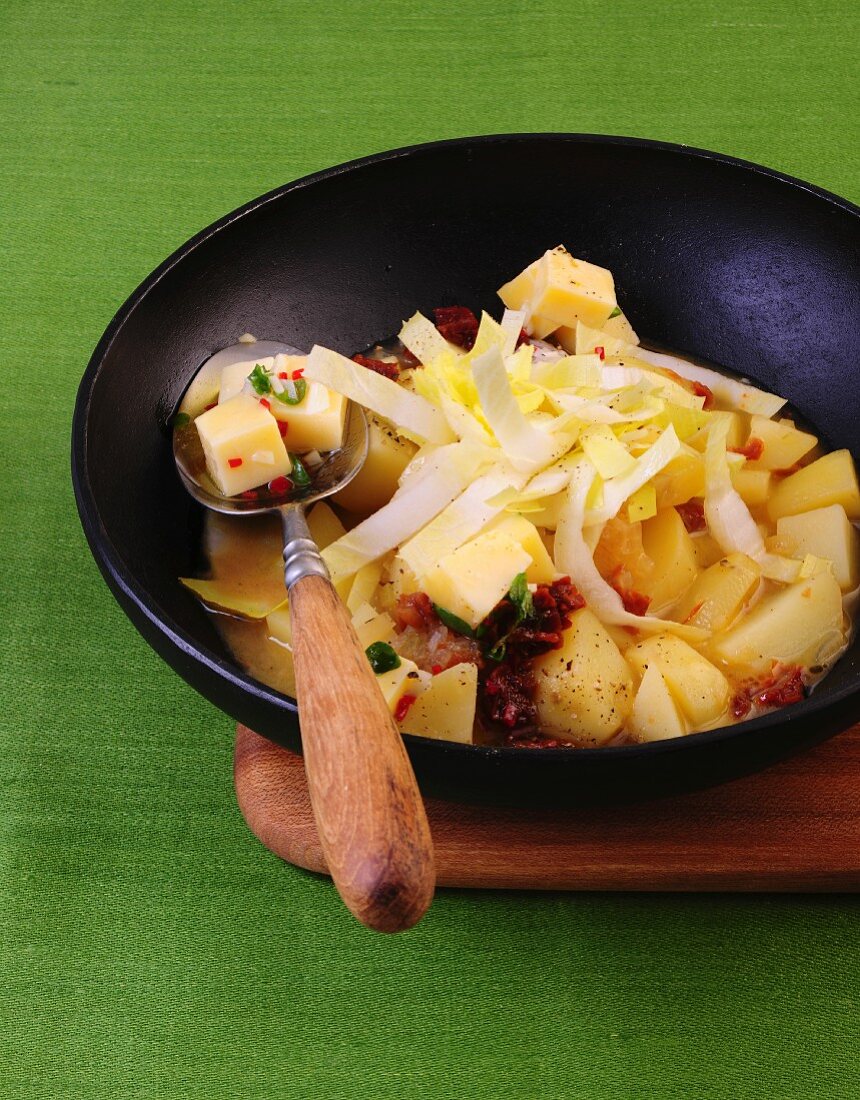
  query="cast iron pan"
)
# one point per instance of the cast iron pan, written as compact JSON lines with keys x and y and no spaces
{"x":712,"y":256}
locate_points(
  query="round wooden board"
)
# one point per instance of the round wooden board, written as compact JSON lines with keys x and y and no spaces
{"x":795,"y":827}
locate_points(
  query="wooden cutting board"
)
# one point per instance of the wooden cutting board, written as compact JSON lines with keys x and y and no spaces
{"x":794,"y":827}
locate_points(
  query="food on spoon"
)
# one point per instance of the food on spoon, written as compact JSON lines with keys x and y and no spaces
{"x":560,"y":537}
{"x":242,"y":445}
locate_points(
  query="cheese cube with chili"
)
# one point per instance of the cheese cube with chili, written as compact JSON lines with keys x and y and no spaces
{"x":242,"y":445}
{"x":472,"y":579}
{"x":313,"y":424}
{"x":399,"y":682}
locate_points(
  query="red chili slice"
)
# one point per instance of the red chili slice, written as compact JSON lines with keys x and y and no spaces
{"x":280,"y":485}
{"x":457,"y":324}
{"x":403,"y":705}
{"x":282,"y":427}
{"x":234,"y":463}
{"x":600,"y":350}
{"x":265,"y":403}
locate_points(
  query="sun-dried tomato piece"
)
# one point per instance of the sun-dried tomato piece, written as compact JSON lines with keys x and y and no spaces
{"x":753,"y":449}
{"x":523,"y":338}
{"x":693,"y":515}
{"x":701,"y":390}
{"x":787,"y":690}
{"x":526,"y":740}
{"x":741,"y":706}
{"x":416,"y":610}
{"x":407,"y":358}
{"x":387,"y":370}
{"x":635,"y":602}
{"x":507,"y":696}
{"x":458,"y":325}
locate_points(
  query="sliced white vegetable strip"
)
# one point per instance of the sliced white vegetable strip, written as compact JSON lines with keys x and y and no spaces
{"x":729,"y":520}
{"x":460,"y":521}
{"x":595,"y":412}
{"x":618,"y":489}
{"x":525,"y":445}
{"x":545,"y":484}
{"x":423,"y":339}
{"x":513,"y":322}
{"x":445,"y":475}
{"x":574,"y":557}
{"x":406,"y":410}
{"x":729,"y":391}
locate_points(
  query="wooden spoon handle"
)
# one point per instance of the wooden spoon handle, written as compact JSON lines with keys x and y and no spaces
{"x":366,"y":802}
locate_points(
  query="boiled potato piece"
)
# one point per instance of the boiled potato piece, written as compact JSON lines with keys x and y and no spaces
{"x":783,"y":443}
{"x":446,"y":708}
{"x":699,"y":689}
{"x":656,"y":716}
{"x":584,"y":690}
{"x":324,"y":525}
{"x":706,"y":549}
{"x":800,"y":624}
{"x":717,"y":596}
{"x":371,"y":625}
{"x":826,"y":533}
{"x":364,"y":586}
{"x":679,"y":481}
{"x":831,"y":479}
{"x":375,"y":483}
{"x":667,"y":543}
{"x":753,"y":486}
{"x":738,"y":430}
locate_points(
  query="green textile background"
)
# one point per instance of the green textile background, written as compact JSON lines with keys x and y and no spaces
{"x":149,"y":946}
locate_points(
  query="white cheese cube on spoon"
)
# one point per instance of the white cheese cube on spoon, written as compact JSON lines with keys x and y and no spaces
{"x":242,"y":445}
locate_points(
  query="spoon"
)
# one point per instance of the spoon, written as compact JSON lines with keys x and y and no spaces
{"x":368,"y":810}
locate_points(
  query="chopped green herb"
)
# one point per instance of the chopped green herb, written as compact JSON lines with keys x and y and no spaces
{"x":299,"y":475}
{"x":181,"y":420}
{"x":521,"y":597}
{"x":615,"y":313}
{"x":497,"y":653}
{"x":453,"y":622}
{"x":260,"y":380}
{"x":382,"y":657}
{"x":300,"y":391}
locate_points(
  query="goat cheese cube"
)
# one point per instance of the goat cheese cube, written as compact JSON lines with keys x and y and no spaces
{"x":242,"y":445}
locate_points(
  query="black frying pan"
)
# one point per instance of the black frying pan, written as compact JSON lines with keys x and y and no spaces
{"x":712,"y":256}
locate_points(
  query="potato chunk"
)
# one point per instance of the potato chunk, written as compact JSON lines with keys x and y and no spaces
{"x":826,"y":533}
{"x":831,"y":479}
{"x":680,"y":480}
{"x":584,"y":690}
{"x":374,"y":485}
{"x":783,"y":443}
{"x":656,"y":715}
{"x":753,"y":486}
{"x":800,"y":624}
{"x":446,"y":708}
{"x":717,"y":596}
{"x":699,"y":689}
{"x":667,"y":543}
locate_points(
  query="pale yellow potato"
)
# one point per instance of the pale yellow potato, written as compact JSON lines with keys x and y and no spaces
{"x":706,"y":548}
{"x":324,"y":525}
{"x":667,"y":543}
{"x":801,"y":624}
{"x":784,"y":445}
{"x":699,"y":689}
{"x":374,"y":485}
{"x":831,"y":479}
{"x":621,"y":329}
{"x":717,"y":596}
{"x":656,"y":716}
{"x":753,"y":486}
{"x":826,"y":533}
{"x":279,"y":627}
{"x":445,"y":710}
{"x":371,"y":625}
{"x":738,"y":430}
{"x":364,"y":585}
{"x":584,"y":690}
{"x":681,"y":480}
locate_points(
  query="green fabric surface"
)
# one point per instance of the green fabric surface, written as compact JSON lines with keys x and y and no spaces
{"x":149,"y":946}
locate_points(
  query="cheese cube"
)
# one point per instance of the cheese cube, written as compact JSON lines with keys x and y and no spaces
{"x":517,"y":294}
{"x":567,"y":290}
{"x":541,"y":570}
{"x":316,"y":423}
{"x":826,"y":533}
{"x":242,"y":445}
{"x":372,"y":626}
{"x":471,"y":580}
